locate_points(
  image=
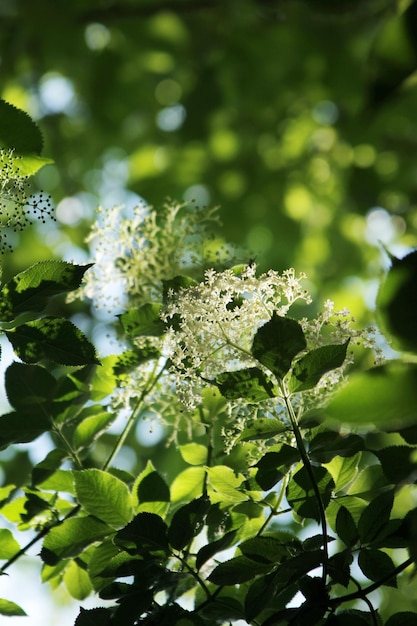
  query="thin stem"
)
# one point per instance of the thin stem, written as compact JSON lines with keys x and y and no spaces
{"x":309,"y":470}
{"x":132,"y":419}
{"x":73,"y":454}
{"x":360,"y":594}
{"x":37,"y":538}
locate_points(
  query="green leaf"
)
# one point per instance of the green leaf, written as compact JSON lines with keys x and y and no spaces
{"x":214,"y":547}
{"x":18,"y":427}
{"x":188,"y":484}
{"x":48,"y":465}
{"x":275,"y":464}
{"x":71,"y":537}
{"x":77,"y":581}
{"x":90,"y":429}
{"x":30,"y":290}
{"x":10,"y":609}
{"x":194,"y":453}
{"x":350,"y":617}
{"x":238,"y":570}
{"x":52,"y":338}
{"x":264,"y":549}
{"x":29,"y":388}
{"x":339,"y":567}
{"x":152,"y":488}
{"x":343,"y":470}
{"x":376,"y":565}
{"x":326,"y":445}
{"x":300,"y":492}
{"x":188,"y":522}
{"x":397,"y":463}
{"x":397,"y":303}
{"x":8,"y":544}
{"x":145,"y":321}
{"x":386,"y":394}
{"x":404,"y":618}
{"x":262,"y":428}
{"x":131,"y":359}
{"x":277,"y":342}
{"x":346,"y":527}
{"x":375,"y":516}
{"x":225,"y":484}
{"x":312,"y":366}
{"x":104,"y":496}
{"x":94,"y":617}
{"x":252,"y":384}
{"x":18,"y":131}
{"x":146,"y":532}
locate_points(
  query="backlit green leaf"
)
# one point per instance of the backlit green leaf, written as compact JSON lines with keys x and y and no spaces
{"x":8,"y":544}
{"x":91,"y":428}
{"x":71,"y":537}
{"x":77,"y":581}
{"x":52,"y":338}
{"x":193,"y":453}
{"x":385,"y":395}
{"x":312,"y":366}
{"x":31,"y":289}
{"x":262,"y":428}
{"x":145,"y":321}
{"x":10,"y":608}
{"x":277,"y":342}
{"x":104,"y":496}
{"x":252,"y":384}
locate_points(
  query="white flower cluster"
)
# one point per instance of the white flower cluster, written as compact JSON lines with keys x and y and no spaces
{"x":218,"y":319}
{"x":134,"y":252}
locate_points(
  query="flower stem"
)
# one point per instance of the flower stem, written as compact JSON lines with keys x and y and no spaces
{"x":309,"y":469}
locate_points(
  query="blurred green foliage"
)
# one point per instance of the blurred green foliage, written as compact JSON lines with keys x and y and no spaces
{"x":296,"y":117}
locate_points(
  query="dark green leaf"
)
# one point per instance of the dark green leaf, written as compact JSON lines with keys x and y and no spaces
{"x":277,"y":343}
{"x":48,"y":466}
{"x":147,"y":532}
{"x":18,"y":131}
{"x":397,"y":303}
{"x":339,"y":567}
{"x":29,"y":388}
{"x":346,"y":527}
{"x":404,"y":618}
{"x":397,"y":463}
{"x":311,"y":367}
{"x":386,"y":394}
{"x":29,"y":291}
{"x":22,"y":427}
{"x":264,"y":549}
{"x":94,"y":617}
{"x":376,"y":565}
{"x":145,"y":321}
{"x":300,"y":492}
{"x":274,"y":465}
{"x":52,"y":338}
{"x":326,"y":445}
{"x":153,"y":488}
{"x":350,"y":617}
{"x":252,"y":384}
{"x":375,"y":516}
{"x":206,"y":552}
{"x":238,"y":570}
{"x":187,"y":522}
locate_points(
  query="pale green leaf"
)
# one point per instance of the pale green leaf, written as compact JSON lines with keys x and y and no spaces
{"x":104,"y":496}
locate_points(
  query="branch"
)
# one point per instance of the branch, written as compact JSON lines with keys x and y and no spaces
{"x":362,"y":593}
